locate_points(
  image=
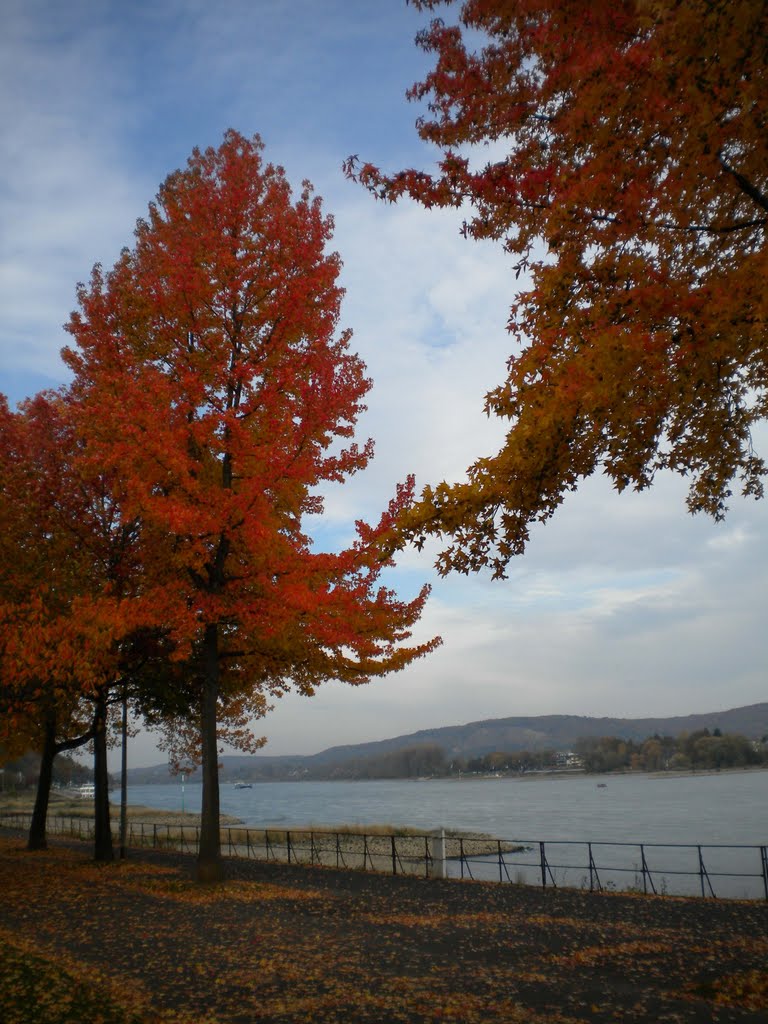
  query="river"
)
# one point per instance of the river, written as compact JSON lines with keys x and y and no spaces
{"x":727,"y":807}
{"x":702,"y":834}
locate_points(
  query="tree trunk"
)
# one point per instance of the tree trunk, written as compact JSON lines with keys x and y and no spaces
{"x":37,"y":838}
{"x":103,"y":850}
{"x":209,"y":864}
{"x":124,"y":776}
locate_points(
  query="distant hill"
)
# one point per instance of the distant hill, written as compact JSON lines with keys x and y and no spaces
{"x":553,"y":732}
{"x":543,"y":732}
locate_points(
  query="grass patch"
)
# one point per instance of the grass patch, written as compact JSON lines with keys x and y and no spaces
{"x":63,"y":804}
{"x":745,"y":989}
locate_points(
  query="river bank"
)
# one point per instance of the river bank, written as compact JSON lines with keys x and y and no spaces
{"x":65,"y":805}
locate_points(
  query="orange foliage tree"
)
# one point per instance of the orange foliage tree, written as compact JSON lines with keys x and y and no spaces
{"x":211,"y":380}
{"x":627,"y":177}
{"x":43,"y":708}
{"x":68,"y":561}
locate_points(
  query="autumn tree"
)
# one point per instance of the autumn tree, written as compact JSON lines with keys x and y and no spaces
{"x":38,"y":709}
{"x":74,"y":638}
{"x":213,"y":382}
{"x":36,"y":714}
{"x":626,"y":175}
{"x":69,"y":563}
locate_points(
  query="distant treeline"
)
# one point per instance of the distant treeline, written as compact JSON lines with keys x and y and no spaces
{"x":700,"y":750}
{"x":23,"y":771}
{"x":696,"y":750}
{"x":424,"y":759}
{"x":689,"y":751}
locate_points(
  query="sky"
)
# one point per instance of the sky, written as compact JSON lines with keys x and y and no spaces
{"x":623,"y":605}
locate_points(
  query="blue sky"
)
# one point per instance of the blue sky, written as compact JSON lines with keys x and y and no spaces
{"x":624,"y":605}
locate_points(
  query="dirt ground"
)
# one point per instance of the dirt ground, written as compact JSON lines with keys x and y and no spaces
{"x":295,"y":944}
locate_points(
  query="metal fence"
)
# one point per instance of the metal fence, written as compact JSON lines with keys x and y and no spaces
{"x":675,"y":869}
{"x":706,"y":870}
{"x":396,"y":853}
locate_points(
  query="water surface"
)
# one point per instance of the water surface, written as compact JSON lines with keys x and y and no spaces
{"x":727,"y":807}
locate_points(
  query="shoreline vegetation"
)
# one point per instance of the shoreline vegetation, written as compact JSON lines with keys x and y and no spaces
{"x":67,"y":805}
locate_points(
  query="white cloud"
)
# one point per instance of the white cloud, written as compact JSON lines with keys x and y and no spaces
{"x":66,"y":198}
{"x":730,"y":539}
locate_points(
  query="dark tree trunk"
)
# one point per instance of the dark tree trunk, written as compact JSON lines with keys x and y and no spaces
{"x":209,"y":864}
{"x":124,"y":776}
{"x":103,"y":850}
{"x":37,"y":838}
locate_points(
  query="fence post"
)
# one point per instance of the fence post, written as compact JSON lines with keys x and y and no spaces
{"x":704,"y":874}
{"x":543,"y":857}
{"x":464,"y":861}
{"x":438,"y":854}
{"x":764,"y":861}
{"x":646,"y":871}
{"x":394,"y":854}
{"x":288,"y":844}
{"x":701,"y":871}
{"x":592,"y":870}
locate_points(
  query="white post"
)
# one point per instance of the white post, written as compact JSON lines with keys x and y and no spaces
{"x":438,"y":854}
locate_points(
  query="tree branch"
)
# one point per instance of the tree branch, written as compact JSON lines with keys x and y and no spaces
{"x":744,"y":184}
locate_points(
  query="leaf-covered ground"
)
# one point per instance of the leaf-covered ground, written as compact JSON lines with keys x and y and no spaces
{"x":138,"y":942}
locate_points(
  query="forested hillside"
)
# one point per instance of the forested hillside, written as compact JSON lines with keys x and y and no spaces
{"x":433,"y":751}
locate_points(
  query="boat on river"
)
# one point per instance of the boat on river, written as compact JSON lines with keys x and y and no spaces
{"x":243,"y":785}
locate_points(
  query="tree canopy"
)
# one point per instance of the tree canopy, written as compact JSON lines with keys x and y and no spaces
{"x":211,"y":380}
{"x":71,"y":571}
{"x":626,"y":174}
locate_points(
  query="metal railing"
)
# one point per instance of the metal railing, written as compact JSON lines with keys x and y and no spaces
{"x":706,"y":870}
{"x":734,"y":871}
